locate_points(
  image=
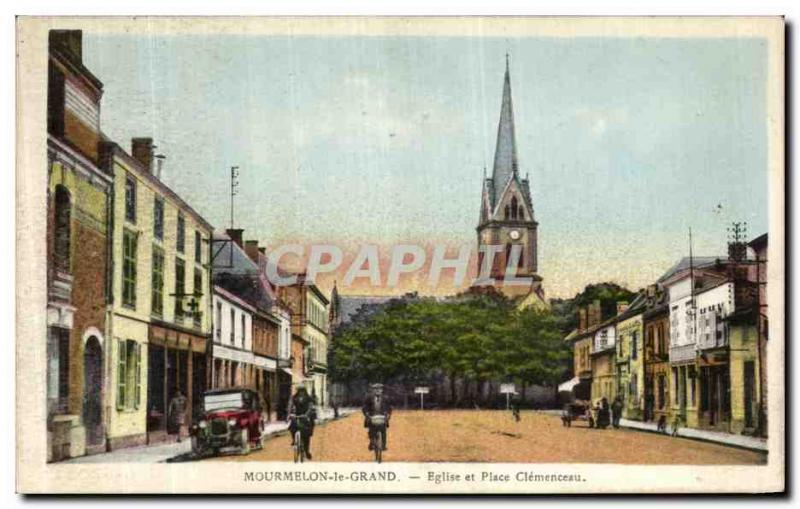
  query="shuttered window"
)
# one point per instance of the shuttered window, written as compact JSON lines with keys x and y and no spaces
{"x":122,"y":375}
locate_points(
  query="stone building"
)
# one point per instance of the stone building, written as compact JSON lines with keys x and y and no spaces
{"x":78,"y":208}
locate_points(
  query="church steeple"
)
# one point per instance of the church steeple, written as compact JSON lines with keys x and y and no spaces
{"x":507,"y":222}
{"x":505,"y":154}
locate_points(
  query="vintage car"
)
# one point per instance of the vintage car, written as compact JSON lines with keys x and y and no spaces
{"x":231,"y":418}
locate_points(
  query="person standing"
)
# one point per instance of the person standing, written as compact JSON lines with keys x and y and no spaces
{"x":176,"y":413}
{"x":616,"y":411}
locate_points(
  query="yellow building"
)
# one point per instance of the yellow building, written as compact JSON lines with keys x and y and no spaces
{"x":604,"y":377}
{"x":630,"y":361}
{"x":744,"y":372}
{"x":161,"y":311}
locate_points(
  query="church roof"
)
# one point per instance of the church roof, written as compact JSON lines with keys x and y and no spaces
{"x":505,"y":154}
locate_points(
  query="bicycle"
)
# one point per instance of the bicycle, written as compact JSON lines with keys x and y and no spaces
{"x":378,"y":422}
{"x":299,"y":442}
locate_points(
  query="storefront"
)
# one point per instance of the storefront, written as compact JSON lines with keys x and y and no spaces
{"x":715,"y":403}
{"x":176,"y":362}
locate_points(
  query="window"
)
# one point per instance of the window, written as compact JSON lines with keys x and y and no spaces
{"x":180,"y":288}
{"x":521,"y":213}
{"x":63,"y":369}
{"x":181,"y":234}
{"x":129,"y":248}
{"x":198,"y":247}
{"x":243,"y":330}
{"x":130,"y":199}
{"x":514,"y":207}
{"x":63,"y":213}
{"x":233,"y":326}
{"x":662,"y":389}
{"x":508,"y":212}
{"x":218,"y":326}
{"x":158,"y":218}
{"x":129,"y":377}
{"x":157,"y":282}
{"x":198,"y":292}
{"x":634,"y":344}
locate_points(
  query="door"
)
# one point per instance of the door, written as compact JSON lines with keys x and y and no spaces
{"x":93,"y":391}
{"x":749,"y":394}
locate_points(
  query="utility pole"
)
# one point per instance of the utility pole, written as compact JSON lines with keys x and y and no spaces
{"x":234,"y":187}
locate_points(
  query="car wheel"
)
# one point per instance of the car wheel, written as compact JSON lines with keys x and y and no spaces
{"x":245,"y":442}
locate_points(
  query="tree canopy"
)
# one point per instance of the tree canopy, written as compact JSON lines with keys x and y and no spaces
{"x":470,"y":339}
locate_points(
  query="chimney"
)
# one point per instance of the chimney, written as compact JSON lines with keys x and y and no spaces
{"x":252,"y":250}
{"x":622,"y":306}
{"x":68,"y":42}
{"x":160,"y":160}
{"x":142,"y":151}
{"x":582,"y":319}
{"x":236,"y":235}
{"x":594,"y":314}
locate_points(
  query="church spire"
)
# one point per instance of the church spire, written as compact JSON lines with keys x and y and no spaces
{"x":505,"y":154}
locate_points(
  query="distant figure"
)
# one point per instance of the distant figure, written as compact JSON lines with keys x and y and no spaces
{"x":616,"y":412}
{"x":516,"y":403}
{"x":176,"y":414}
{"x":603,"y":417}
{"x":662,"y":424}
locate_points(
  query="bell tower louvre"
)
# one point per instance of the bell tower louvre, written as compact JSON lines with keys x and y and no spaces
{"x":507,"y":229}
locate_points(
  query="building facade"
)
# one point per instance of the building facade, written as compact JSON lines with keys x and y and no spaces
{"x":233,"y":358}
{"x":657,"y":383}
{"x":630,"y":359}
{"x":161,"y":300}
{"x":310,"y":333}
{"x":604,"y":373}
{"x":78,"y":204}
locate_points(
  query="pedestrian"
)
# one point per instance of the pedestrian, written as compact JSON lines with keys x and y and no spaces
{"x":516,"y":402}
{"x":616,"y":409}
{"x":176,"y":414}
{"x":603,"y":412}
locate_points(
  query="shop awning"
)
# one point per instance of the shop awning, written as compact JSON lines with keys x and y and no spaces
{"x":569,"y":385}
{"x":287,"y":371}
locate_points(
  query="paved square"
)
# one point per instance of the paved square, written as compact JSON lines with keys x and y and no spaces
{"x":493,"y":436}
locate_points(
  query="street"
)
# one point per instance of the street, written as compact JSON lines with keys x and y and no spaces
{"x":493,"y":436}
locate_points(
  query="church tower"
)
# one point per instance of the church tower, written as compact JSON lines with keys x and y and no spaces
{"x":507,"y":225}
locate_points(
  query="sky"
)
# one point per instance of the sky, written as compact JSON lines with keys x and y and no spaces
{"x":628,"y":142}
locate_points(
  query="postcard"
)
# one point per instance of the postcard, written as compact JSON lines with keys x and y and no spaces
{"x":357,"y":255}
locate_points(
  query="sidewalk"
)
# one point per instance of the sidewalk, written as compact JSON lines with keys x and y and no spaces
{"x":160,"y":453}
{"x":746,"y":442}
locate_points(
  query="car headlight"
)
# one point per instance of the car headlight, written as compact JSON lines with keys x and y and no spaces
{"x":232,"y":422}
{"x":202,"y":424}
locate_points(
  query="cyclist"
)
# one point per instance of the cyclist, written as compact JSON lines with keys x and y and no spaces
{"x":376,"y":404}
{"x":302,"y":404}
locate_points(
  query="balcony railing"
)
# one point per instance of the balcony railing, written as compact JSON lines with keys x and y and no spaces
{"x":682,"y":353}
